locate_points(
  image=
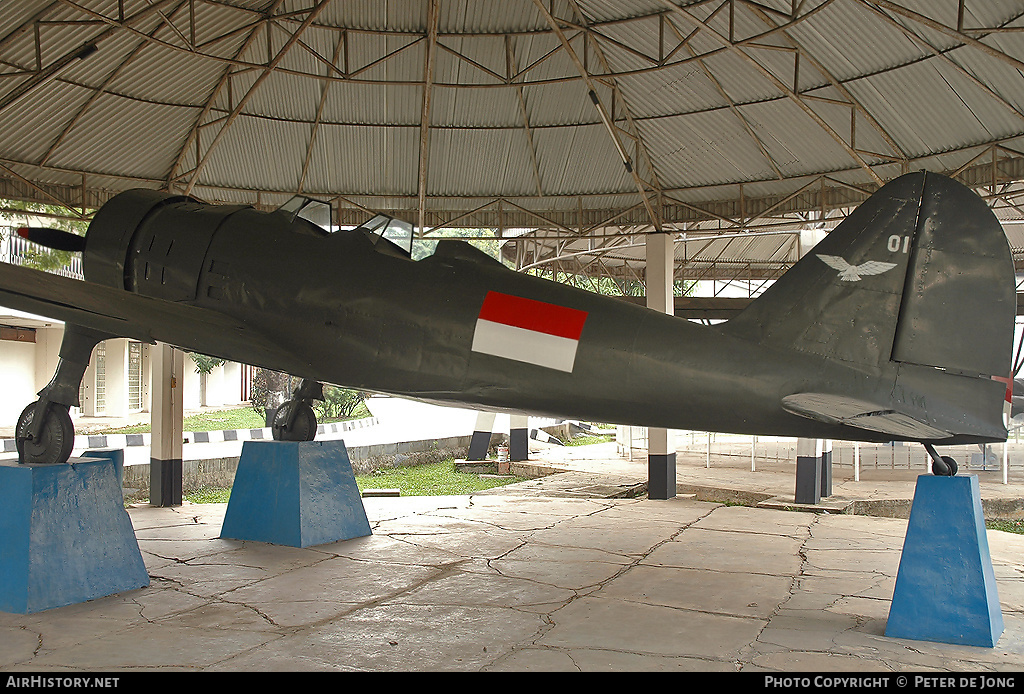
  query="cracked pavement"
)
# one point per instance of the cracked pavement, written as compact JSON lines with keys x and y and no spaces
{"x":504,"y":582}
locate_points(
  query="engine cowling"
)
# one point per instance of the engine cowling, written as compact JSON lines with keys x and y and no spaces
{"x":152,"y":243}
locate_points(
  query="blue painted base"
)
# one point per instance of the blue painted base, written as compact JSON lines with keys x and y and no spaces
{"x":946,"y":587}
{"x":113,"y":454}
{"x":294,"y":493}
{"x":65,"y":536}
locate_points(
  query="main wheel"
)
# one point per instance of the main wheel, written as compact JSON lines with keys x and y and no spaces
{"x":302,"y":429}
{"x":56,"y":439}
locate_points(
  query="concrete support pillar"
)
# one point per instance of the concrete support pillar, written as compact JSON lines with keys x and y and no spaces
{"x":117,"y":377}
{"x":91,"y":406}
{"x":813,"y":470}
{"x":165,"y":472}
{"x":813,"y":456}
{"x":808,"y":471}
{"x":87,"y":392}
{"x":481,"y":440}
{"x":46,"y":354}
{"x":661,"y":453}
{"x":519,"y":438}
{"x":826,"y":468}
{"x":231,"y":377}
{"x":147,"y":378}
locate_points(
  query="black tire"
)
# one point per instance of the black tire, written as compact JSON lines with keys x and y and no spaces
{"x":302,"y":429}
{"x":940,"y":468}
{"x":56,"y":439}
{"x":951,"y":463}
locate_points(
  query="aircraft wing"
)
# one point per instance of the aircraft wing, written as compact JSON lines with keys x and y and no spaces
{"x":835,"y":409}
{"x":124,"y":314}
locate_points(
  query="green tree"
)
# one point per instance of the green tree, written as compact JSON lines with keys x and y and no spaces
{"x":205,"y":363}
{"x":421,"y":248}
{"x":20,"y":212}
{"x":607,"y":286}
{"x":269,"y":390}
{"x":339,"y":403}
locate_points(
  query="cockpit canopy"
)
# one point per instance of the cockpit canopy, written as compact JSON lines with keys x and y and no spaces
{"x":314,"y":211}
{"x":397,"y":233}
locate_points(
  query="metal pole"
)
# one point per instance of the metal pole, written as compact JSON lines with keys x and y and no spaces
{"x":1006,"y":461}
{"x":856,"y":461}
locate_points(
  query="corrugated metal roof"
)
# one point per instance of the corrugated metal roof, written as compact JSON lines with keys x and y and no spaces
{"x":721,"y":108}
{"x":21,"y":132}
{"x":151,"y":132}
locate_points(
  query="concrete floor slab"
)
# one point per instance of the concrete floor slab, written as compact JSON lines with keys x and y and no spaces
{"x":403,"y":637}
{"x":538,"y":577}
{"x":563,"y":569}
{"x":641,"y":628}
{"x":600,"y":660}
{"x":697,"y":548}
{"x":725,"y":593}
{"x":746,"y":520}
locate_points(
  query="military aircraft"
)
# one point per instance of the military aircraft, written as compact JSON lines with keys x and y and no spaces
{"x":897,"y":326}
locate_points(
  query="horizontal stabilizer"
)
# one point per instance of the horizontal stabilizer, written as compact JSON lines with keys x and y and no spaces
{"x":835,"y":409}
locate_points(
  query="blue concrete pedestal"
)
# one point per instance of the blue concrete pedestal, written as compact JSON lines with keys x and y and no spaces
{"x":65,"y":536}
{"x":298,"y":494}
{"x":946,"y":587}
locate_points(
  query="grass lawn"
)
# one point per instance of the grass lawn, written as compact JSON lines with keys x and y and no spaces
{"x":434,"y":479}
{"x":589,"y":439}
{"x":1010,"y":526}
{"x":239,"y":418}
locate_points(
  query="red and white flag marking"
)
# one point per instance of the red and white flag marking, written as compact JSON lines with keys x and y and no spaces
{"x":529,"y":331}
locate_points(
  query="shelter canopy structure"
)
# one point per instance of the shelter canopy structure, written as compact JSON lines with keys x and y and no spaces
{"x":583,"y":122}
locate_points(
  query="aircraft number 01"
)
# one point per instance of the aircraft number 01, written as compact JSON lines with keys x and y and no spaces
{"x":899,"y":243}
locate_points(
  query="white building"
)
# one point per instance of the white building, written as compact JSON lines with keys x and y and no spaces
{"x":117,"y":382}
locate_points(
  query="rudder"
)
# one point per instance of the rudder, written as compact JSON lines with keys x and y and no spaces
{"x":959,"y":301}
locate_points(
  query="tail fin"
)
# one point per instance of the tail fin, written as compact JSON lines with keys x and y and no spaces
{"x":920,"y":273}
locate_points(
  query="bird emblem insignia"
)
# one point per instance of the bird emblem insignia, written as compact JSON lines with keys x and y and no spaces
{"x":854,"y":273}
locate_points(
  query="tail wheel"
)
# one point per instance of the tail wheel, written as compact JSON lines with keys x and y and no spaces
{"x":56,"y":437}
{"x":944,"y":466}
{"x":303,"y":422}
{"x":951,"y":463}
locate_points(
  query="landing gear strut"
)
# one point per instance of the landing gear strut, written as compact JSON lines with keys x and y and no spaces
{"x":942,"y":465}
{"x":295,"y":419}
{"x":45,"y":433}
